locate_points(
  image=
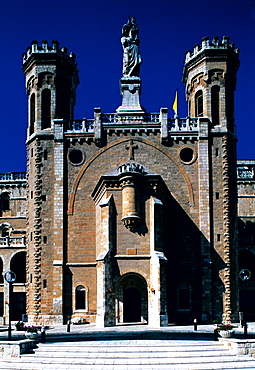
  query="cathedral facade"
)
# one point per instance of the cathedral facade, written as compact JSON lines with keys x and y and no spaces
{"x":132,"y":216}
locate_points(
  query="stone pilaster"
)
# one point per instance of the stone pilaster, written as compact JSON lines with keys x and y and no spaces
{"x":105,"y":292}
{"x":157,"y":301}
{"x":58,"y":219}
{"x":204,"y":217}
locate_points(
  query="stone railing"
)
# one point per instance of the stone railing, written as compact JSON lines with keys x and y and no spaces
{"x":115,"y":118}
{"x":9,"y":241}
{"x":146,"y":120}
{"x":82,"y":125}
{"x":244,"y":173}
{"x":13,"y":176}
{"x":183,"y":124}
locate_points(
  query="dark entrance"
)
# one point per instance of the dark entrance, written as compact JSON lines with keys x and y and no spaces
{"x":131,"y":305}
{"x":18,"y":305}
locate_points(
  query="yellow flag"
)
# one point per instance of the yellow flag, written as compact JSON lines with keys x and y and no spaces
{"x":175,"y":105}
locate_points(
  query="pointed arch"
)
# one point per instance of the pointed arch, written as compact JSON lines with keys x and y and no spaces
{"x":115,"y":143}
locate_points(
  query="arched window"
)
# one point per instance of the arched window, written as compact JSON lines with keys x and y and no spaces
{"x":199,"y":103}
{"x":46,"y":108}
{"x":80,"y":298}
{"x":215,"y":104}
{"x":18,"y":265}
{"x":32,"y":114}
{"x":5,"y":230}
{"x":4,"y":202}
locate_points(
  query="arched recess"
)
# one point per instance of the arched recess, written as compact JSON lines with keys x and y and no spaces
{"x":131,"y":298}
{"x":80,"y":298}
{"x":115,"y":143}
{"x":18,"y":266}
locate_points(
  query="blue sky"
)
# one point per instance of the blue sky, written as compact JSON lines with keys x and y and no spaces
{"x":92,"y":30}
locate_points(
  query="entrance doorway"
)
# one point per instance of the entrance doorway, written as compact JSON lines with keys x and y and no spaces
{"x":131,"y":298}
{"x":131,"y":305}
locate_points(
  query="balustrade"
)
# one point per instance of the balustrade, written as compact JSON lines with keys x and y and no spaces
{"x":12,"y":176}
{"x":9,"y":241}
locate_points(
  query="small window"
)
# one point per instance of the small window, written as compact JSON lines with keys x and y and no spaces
{"x":186,"y":155}
{"x":217,"y":195}
{"x":80,"y":298}
{"x":76,"y":156}
{"x":218,"y":238}
{"x":215,"y":104}
{"x":32,"y":114}
{"x":46,"y":109}
{"x":199,"y":104}
{"x":5,"y":202}
{"x":45,"y":155}
{"x":43,"y":197}
{"x":44,"y":239}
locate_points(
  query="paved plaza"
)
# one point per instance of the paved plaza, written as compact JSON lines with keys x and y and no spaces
{"x":129,"y":347}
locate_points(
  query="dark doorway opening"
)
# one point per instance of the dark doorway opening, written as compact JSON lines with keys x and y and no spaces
{"x":18,"y":305}
{"x":131,"y":305}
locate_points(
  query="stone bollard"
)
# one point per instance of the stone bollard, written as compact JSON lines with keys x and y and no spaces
{"x":215,"y":333}
{"x":43,"y":335}
{"x":195,"y":324}
{"x":245,"y":329}
{"x":68,"y":326}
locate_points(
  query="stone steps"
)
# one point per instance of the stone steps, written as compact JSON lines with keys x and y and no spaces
{"x":137,"y":354}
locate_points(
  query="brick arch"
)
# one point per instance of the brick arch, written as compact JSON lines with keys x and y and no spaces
{"x":112,"y":145}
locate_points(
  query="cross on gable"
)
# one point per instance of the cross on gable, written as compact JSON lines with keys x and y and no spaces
{"x":131,"y":149}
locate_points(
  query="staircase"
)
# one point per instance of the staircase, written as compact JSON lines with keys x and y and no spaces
{"x":130,"y":354}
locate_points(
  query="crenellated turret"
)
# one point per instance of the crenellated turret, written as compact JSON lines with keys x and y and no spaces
{"x":51,"y":82}
{"x":209,"y":74}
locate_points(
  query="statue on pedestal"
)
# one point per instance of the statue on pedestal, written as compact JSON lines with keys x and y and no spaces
{"x":130,"y":42}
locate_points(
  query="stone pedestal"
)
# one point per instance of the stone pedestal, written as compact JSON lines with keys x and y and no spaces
{"x":130,"y":89}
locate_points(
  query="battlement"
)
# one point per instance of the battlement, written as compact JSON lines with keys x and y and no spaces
{"x":45,"y":48}
{"x":214,"y":44}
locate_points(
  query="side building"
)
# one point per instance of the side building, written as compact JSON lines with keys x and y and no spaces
{"x":132,"y":216}
{"x":246,"y":227}
{"x":13,"y":243}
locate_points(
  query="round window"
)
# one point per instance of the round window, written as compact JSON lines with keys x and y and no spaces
{"x":76,"y":156}
{"x":187,"y":155}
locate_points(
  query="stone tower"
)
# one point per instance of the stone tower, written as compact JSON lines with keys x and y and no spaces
{"x":51,"y":81}
{"x":131,"y":215}
{"x":210,"y":79}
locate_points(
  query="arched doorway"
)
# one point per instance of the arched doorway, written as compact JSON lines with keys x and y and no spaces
{"x":131,"y":305}
{"x":131,"y":299}
{"x":18,"y":265}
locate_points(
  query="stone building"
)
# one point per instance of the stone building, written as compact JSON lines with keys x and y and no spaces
{"x":246,"y":213}
{"x":132,"y":216}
